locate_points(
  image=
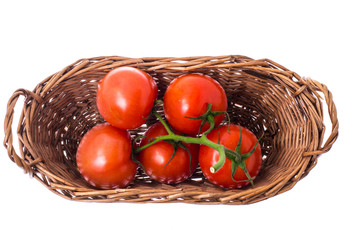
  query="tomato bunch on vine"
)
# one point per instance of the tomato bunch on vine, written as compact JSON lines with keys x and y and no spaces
{"x":194,"y":132}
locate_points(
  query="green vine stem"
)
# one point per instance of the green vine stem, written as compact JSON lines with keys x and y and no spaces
{"x":224,"y":152}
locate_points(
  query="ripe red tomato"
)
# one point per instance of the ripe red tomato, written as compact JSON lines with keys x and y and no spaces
{"x":125,"y":97}
{"x":229,"y":137}
{"x":189,"y":96}
{"x":155,"y":158}
{"x":103,"y":157}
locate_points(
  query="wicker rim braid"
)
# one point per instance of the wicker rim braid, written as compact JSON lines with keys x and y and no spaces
{"x":263,"y":96}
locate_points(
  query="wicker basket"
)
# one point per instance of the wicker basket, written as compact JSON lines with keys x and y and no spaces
{"x":263,"y":96}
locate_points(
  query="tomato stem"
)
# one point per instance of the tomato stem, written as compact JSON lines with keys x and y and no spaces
{"x":173,"y":136}
{"x":237,"y":159}
{"x":167,"y":127}
{"x":203,"y":140}
{"x":208,"y":116}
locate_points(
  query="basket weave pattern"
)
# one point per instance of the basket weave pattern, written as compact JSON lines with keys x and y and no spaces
{"x":263,"y":96}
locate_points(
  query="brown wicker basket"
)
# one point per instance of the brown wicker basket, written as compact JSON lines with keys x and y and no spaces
{"x":263,"y":96}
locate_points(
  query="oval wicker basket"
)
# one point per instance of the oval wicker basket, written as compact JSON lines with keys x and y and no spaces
{"x":263,"y":96}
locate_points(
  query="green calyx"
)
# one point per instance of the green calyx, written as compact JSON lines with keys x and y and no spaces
{"x":209,"y":116}
{"x":240,"y":162}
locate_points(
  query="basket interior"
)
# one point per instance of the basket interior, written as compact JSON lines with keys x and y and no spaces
{"x":257,"y":100}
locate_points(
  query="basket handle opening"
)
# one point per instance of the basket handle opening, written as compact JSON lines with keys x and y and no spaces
{"x":8,"y":123}
{"x":332,"y":114}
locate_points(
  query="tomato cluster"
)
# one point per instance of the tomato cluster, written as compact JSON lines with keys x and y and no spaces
{"x":170,"y":150}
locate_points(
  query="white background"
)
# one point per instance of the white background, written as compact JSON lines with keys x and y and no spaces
{"x":319,"y":39}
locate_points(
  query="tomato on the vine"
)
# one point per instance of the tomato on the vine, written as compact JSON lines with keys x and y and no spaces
{"x":158,"y":160}
{"x":229,"y":135}
{"x":189,"y":96}
{"x":125,"y":97}
{"x":104,"y":157}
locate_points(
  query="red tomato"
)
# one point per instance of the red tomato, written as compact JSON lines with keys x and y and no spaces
{"x":103,"y":157}
{"x":229,"y":137}
{"x":125,"y":97}
{"x":155,"y":158}
{"x":189,"y":96}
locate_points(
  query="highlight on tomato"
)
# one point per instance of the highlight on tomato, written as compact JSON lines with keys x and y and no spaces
{"x":125,"y":97}
{"x":232,"y":174}
{"x":187,"y":99}
{"x":167,"y":162}
{"x":104,"y":157}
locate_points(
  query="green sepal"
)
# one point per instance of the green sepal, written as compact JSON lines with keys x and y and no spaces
{"x":248,"y":154}
{"x":238,"y":146}
{"x":216,"y":113}
{"x":242,"y":165}
{"x":234,"y":167}
{"x":201,"y":126}
{"x":175,"y":145}
{"x":134,"y":159}
{"x":210,"y":119}
{"x":188,"y":151}
{"x":203,"y":116}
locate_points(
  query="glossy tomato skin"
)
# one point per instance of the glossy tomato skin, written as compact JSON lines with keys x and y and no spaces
{"x":229,"y":137}
{"x":103,"y":157}
{"x":125,"y":97}
{"x":189,"y":96}
{"x":155,"y":157}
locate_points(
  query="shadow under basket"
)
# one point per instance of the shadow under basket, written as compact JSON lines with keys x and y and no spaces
{"x":263,"y":96}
